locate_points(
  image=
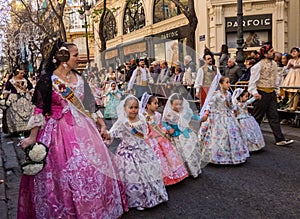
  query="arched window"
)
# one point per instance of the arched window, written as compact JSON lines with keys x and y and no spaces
{"x":134,"y":17}
{"x":110,"y":27}
{"x":165,"y":9}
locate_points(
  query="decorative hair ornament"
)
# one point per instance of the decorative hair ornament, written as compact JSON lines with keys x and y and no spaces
{"x":63,"y":48}
{"x":65,"y":65}
{"x":268,"y":47}
{"x":237,"y":92}
{"x":144,"y":101}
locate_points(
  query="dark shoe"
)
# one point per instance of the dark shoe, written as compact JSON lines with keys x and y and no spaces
{"x":285,"y":142}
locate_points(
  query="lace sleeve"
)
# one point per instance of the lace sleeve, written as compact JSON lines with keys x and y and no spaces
{"x":97,"y":114}
{"x":116,"y":130}
{"x":37,"y":119}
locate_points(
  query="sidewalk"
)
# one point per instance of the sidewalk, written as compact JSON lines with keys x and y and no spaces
{"x":10,"y":156}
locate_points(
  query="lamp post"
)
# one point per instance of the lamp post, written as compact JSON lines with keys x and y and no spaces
{"x":240,"y":38}
{"x":83,"y":15}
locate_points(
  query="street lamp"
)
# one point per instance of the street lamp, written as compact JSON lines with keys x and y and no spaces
{"x":85,"y":11}
{"x":240,"y":38}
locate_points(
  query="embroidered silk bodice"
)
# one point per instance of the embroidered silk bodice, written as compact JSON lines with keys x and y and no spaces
{"x":123,"y":131}
{"x":220,"y":104}
{"x":242,"y":109}
{"x":172,"y":122}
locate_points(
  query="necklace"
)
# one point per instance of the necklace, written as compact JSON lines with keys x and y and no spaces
{"x":65,"y":78}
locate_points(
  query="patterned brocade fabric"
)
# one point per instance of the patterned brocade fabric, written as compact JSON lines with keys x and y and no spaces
{"x":37,"y":120}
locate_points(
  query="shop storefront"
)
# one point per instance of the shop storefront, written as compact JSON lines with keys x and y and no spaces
{"x":170,"y":45}
{"x":124,"y":53}
{"x":257,"y":30}
{"x":111,"y":58}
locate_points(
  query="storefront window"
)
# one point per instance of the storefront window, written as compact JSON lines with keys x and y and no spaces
{"x":165,"y":9}
{"x":257,"y":30}
{"x":251,"y":39}
{"x":134,"y":17}
{"x":110,"y":29}
{"x":159,"y":50}
{"x":171,"y":51}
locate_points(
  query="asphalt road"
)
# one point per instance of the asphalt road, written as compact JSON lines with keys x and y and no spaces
{"x":267,"y":186}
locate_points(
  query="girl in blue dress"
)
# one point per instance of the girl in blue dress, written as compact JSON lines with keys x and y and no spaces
{"x":176,"y":118}
{"x":114,"y":95}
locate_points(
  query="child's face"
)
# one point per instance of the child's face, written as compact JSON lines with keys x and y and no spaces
{"x":113,"y":86}
{"x":132,"y":109}
{"x":177,"y":105}
{"x":295,"y":53}
{"x":153,"y":106}
{"x":226,"y":84}
{"x":284,"y":60}
{"x":245,"y":97}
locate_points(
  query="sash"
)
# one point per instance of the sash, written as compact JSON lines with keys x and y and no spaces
{"x":17,"y":84}
{"x":156,"y":127}
{"x":133,"y":130}
{"x":68,"y":94}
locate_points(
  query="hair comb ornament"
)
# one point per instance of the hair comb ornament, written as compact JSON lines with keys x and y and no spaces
{"x":63,"y":48}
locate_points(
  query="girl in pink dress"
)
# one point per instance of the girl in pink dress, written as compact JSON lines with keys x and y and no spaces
{"x":173,"y":169}
{"x":293,"y":79}
{"x":79,"y":179}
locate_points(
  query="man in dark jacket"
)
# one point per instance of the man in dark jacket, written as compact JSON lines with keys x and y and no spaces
{"x":233,"y":71}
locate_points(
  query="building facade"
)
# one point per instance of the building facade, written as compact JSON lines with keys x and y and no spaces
{"x":276,"y":21}
{"x":157,"y":29}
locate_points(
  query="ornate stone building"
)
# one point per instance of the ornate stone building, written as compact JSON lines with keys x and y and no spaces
{"x":155,"y":27}
{"x":276,"y":21}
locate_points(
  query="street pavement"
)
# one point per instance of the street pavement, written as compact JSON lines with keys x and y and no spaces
{"x":266,"y":186}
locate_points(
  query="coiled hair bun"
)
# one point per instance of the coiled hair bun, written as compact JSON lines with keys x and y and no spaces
{"x":62,"y":55}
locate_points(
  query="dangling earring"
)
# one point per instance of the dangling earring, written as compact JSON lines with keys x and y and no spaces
{"x":65,"y":65}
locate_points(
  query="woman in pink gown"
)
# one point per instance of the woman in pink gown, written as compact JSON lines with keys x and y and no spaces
{"x":79,"y":179}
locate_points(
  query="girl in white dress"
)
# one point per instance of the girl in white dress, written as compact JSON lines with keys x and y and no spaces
{"x":220,"y":136}
{"x":249,"y":127}
{"x":138,"y":165}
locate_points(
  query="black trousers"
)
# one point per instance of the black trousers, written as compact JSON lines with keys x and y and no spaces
{"x":268,"y":105}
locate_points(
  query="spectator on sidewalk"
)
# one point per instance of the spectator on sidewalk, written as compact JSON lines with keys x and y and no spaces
{"x":233,"y":71}
{"x":164,"y":74}
{"x":205,"y":76}
{"x":246,"y":75}
{"x":263,"y":85}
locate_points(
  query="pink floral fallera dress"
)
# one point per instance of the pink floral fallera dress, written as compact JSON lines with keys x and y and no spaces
{"x":220,"y":136}
{"x":79,"y":179}
{"x":173,"y":169}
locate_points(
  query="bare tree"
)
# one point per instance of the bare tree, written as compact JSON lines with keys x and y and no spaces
{"x":47,"y":16}
{"x":190,"y":14}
